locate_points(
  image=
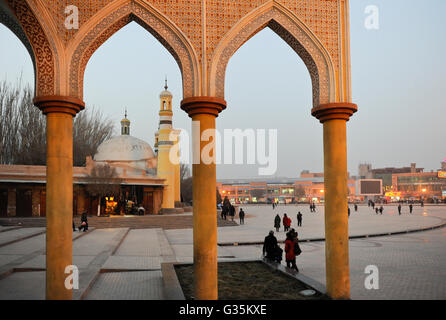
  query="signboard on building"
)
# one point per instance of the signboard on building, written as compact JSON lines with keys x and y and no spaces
{"x":393,"y":194}
{"x":443,"y":193}
{"x":370,"y":187}
{"x":442,"y":174}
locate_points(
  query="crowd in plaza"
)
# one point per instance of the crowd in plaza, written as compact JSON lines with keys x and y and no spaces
{"x":273,"y":252}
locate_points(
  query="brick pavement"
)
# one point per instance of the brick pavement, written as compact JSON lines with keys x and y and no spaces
{"x":124,"y":263}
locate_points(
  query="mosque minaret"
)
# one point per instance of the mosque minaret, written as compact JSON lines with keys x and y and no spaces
{"x":165,"y":139}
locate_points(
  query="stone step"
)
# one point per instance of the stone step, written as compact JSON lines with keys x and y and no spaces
{"x":135,"y":222}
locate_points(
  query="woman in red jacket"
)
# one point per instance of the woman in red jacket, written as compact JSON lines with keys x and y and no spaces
{"x":290,"y":255}
{"x":286,"y":222}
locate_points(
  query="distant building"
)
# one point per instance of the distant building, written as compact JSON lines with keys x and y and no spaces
{"x":385,"y":174}
{"x":421,"y":185}
{"x":309,"y":187}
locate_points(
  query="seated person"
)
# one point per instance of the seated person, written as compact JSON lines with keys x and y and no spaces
{"x":84,"y":222}
{"x":141,"y":210}
{"x":271,"y":250}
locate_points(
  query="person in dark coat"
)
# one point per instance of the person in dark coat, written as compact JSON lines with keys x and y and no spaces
{"x":271,"y":250}
{"x":232,"y":212}
{"x":381,"y":209}
{"x":241,"y":215}
{"x":410,"y":208}
{"x":84,"y":222}
{"x":348,"y":211}
{"x":299,"y":219}
{"x":399,"y":209}
{"x":277,"y":223}
{"x":376,"y":210}
{"x":356,"y":208}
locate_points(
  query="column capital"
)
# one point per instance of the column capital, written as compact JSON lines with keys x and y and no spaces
{"x":59,"y":104}
{"x":203,"y":105}
{"x":336,"y":110}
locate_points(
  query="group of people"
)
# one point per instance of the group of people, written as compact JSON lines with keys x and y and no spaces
{"x":400,"y":208}
{"x":380,"y":210}
{"x":229,"y":210}
{"x":273,"y":252}
{"x":286,"y":221}
{"x":312,"y":207}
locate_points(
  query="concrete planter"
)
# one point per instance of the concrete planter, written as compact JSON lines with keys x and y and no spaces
{"x":174,"y":291}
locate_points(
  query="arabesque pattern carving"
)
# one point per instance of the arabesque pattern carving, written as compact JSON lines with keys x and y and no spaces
{"x":114,"y":22}
{"x":297,"y":38}
{"x":43,"y":55}
{"x":87,"y":9}
{"x":320,"y":16}
{"x":189,"y":29}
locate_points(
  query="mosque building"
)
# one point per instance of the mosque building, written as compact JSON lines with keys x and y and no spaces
{"x":146,"y":177}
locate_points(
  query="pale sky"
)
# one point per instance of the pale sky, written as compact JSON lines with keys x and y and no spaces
{"x":398,"y":82}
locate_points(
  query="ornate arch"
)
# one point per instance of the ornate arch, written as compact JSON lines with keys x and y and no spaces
{"x":28,"y":29}
{"x":153,"y":21}
{"x":294,"y":32}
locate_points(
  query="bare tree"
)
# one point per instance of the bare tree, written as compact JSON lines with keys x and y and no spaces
{"x":184,"y":171}
{"x":23,"y":129}
{"x":90,"y":129}
{"x":187,"y":190}
{"x":22,"y":126}
{"x":102,"y":181}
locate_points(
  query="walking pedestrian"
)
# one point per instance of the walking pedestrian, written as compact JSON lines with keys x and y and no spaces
{"x":356,"y":207}
{"x":286,"y":222}
{"x":381,"y":209}
{"x":241,"y":215}
{"x":399,"y":209}
{"x":349,"y":212}
{"x":410,"y":208}
{"x":376,"y":210}
{"x":232,"y":212}
{"x":291,"y":250}
{"x":277,"y":222}
{"x":299,"y":219}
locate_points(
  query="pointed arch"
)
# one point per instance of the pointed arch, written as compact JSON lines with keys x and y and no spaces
{"x":22,"y":21}
{"x":113,"y":18}
{"x":294,"y":32}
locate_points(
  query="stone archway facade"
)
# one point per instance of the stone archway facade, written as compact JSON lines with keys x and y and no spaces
{"x":201,"y":35}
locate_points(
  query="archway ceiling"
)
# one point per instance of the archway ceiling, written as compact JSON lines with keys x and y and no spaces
{"x":321,"y":16}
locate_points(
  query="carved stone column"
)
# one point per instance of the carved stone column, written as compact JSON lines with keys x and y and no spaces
{"x":203,"y":111}
{"x":59,"y":111}
{"x":334,"y":117}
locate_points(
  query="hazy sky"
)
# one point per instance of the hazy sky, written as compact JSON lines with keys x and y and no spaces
{"x":398,"y":82}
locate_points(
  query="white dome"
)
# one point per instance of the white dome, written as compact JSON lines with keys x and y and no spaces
{"x":124,"y":148}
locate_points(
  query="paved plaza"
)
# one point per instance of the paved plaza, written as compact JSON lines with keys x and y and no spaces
{"x":123,"y":263}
